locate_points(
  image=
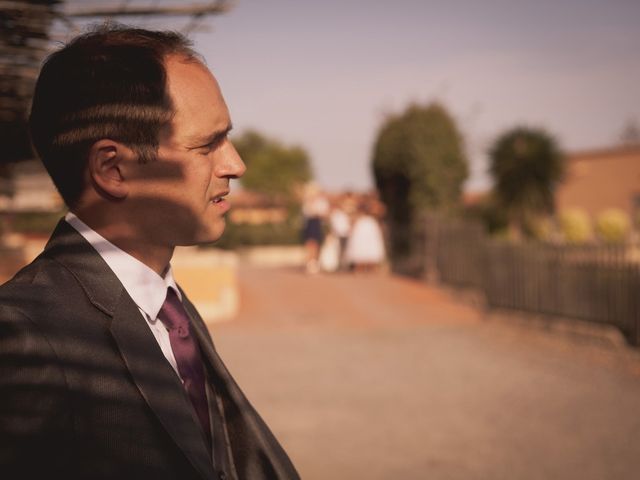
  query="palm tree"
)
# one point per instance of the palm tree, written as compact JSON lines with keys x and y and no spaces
{"x":526,"y":165}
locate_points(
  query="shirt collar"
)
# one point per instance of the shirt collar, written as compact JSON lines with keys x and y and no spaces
{"x":146,"y":288}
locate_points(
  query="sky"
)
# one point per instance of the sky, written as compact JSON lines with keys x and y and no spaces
{"x":325,"y":74}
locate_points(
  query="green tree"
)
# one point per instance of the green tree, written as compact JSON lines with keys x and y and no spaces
{"x":526,"y":165}
{"x":272,"y":167}
{"x":419,"y":164}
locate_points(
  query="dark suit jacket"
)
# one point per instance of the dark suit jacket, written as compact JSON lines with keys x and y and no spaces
{"x":86,"y":393}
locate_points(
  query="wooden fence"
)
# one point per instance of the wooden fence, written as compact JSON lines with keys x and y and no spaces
{"x":593,"y":283}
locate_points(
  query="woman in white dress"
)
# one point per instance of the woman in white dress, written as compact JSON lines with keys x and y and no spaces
{"x":365,"y":246}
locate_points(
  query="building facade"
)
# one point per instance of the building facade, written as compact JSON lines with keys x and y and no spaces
{"x":598,"y":180}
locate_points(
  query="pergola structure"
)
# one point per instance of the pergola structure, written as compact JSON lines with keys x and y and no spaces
{"x":26,"y":35}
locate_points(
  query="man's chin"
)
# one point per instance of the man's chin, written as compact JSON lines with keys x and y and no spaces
{"x":211,"y":235}
{"x":205,"y":236}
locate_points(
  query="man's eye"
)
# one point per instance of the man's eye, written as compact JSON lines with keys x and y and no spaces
{"x":205,"y":149}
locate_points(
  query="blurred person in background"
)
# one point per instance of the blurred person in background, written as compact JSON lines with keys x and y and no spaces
{"x":340,"y":226}
{"x":315,"y":208}
{"x":365,"y":250}
{"x":106,"y":369}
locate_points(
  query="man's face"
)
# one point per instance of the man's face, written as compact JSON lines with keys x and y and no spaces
{"x":182,"y":192}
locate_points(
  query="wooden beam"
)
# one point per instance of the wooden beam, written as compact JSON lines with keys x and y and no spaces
{"x":218,"y":7}
{"x":25,"y":6}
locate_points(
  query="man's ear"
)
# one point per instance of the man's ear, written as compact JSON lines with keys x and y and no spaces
{"x":105,"y":168}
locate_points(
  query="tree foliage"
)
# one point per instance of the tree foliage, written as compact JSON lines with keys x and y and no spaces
{"x":272,"y":167}
{"x":421,"y":150}
{"x":419,"y":164}
{"x":526,"y":165}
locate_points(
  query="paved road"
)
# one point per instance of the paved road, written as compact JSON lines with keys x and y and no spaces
{"x":379,"y":377}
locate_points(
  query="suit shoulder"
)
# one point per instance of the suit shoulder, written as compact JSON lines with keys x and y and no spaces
{"x":23,"y":305}
{"x":39,"y":288}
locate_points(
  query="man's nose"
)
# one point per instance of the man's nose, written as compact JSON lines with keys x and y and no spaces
{"x":230,"y":165}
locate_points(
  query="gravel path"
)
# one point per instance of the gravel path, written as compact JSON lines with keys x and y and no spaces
{"x":380,"y":377}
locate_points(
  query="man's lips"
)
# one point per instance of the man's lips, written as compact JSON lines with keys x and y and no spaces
{"x":220,"y":203}
{"x":220,"y":197}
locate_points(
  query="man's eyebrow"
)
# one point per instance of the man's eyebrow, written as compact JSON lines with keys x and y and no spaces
{"x":213,"y":138}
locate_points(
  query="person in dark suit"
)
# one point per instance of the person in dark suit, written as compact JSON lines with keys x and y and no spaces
{"x":106,"y":369}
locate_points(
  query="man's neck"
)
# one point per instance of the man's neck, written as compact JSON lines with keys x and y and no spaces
{"x":155,"y":257}
{"x":123,"y":236}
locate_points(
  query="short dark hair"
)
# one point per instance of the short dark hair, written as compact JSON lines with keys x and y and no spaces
{"x":107,"y":83}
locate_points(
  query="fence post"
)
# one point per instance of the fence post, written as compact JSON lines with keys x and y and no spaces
{"x":431,"y":234}
{"x":634,"y":335}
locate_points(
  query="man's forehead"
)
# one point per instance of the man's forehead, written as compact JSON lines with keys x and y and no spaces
{"x":183,"y":59}
{"x":192,"y":82}
{"x":200,"y":111}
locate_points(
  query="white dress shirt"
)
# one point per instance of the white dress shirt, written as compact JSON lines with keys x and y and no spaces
{"x":147,"y":289}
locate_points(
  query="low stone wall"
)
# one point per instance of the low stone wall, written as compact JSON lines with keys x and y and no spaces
{"x":273,"y":256}
{"x":210,"y":279}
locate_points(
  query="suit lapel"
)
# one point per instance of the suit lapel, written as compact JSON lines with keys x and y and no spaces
{"x":158,"y":383}
{"x":154,"y":377}
{"x":222,"y":450}
{"x":253,"y":450}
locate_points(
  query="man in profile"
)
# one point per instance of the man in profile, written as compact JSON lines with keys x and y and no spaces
{"x":106,"y":369}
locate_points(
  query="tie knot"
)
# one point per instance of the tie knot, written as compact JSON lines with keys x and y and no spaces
{"x":173,"y":315}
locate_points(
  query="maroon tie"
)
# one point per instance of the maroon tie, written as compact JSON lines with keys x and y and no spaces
{"x":187,"y":355}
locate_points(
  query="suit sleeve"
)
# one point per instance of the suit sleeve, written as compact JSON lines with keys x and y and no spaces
{"x":33,"y":403}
